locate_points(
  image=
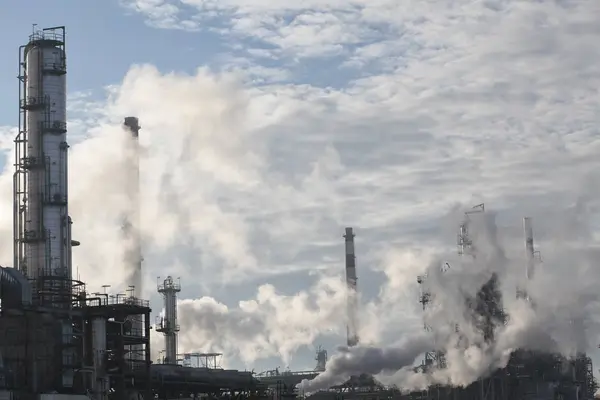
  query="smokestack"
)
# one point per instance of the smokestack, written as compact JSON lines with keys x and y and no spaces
{"x":527,"y":228}
{"x":133,"y":125}
{"x":131,"y":223}
{"x":131,"y":226}
{"x":351,"y":280}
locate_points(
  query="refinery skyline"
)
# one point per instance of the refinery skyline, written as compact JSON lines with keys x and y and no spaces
{"x":301,"y":122}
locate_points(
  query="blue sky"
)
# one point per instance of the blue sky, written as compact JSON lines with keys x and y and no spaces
{"x":269,"y":126}
{"x":104,"y":40}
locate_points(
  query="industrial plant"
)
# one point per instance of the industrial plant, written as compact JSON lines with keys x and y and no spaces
{"x":528,"y":375}
{"x":58,"y":341}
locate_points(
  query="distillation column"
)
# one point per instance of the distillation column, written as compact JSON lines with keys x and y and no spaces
{"x":351,"y":284}
{"x":168,"y":324}
{"x":101,"y":379}
{"x":42,"y":227}
{"x":42,"y":245}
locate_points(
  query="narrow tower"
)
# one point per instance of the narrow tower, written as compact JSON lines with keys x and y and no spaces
{"x":131,"y":220}
{"x":131,"y":224}
{"x":42,"y":227}
{"x":530,"y":252}
{"x":436,"y":357}
{"x":168,"y":324}
{"x":532,"y":257}
{"x":321,"y":358}
{"x":351,"y":280}
{"x":464,"y":240}
{"x":486,"y":306}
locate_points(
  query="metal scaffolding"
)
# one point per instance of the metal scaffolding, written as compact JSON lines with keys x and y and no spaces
{"x":167,"y":325}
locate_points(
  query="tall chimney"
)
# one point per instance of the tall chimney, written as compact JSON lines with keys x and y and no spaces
{"x":527,"y":228}
{"x":352,"y":302}
{"x":131,"y":223}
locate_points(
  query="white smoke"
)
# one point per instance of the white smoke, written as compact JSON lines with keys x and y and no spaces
{"x":370,"y":360}
{"x":243,"y":184}
{"x":270,"y":325}
{"x":557,"y":319}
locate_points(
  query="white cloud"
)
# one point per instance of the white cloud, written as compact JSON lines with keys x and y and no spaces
{"x":379,"y":31}
{"x":161,"y":13}
{"x":254,"y":74}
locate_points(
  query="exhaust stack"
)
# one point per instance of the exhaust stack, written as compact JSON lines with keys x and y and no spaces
{"x":351,"y":283}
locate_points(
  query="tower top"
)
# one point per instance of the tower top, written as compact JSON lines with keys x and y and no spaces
{"x":133,"y":124}
{"x":349,"y":235}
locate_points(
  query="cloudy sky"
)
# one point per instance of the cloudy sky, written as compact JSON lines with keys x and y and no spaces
{"x":268,"y":126}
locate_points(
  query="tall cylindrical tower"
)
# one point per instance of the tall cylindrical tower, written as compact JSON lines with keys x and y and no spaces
{"x":351,"y":282}
{"x":131,"y":223}
{"x":530,"y":252}
{"x":42,"y":224}
{"x":168,"y":325}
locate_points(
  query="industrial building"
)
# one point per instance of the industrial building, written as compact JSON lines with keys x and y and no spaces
{"x":57,"y":341}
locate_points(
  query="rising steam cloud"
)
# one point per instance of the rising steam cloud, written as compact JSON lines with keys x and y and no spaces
{"x":270,"y":325}
{"x":243,"y":185}
{"x":557,"y":319}
{"x":370,"y":360}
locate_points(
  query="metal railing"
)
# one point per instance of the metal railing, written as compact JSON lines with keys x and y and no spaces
{"x":169,"y":285}
{"x":33,"y":102}
{"x":133,"y":332}
{"x":132,"y":301}
{"x":46,"y":35}
{"x":54,"y":126}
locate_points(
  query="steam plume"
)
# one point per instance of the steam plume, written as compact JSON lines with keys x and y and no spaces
{"x":242,"y":183}
{"x":475,"y":338}
{"x":370,"y":360}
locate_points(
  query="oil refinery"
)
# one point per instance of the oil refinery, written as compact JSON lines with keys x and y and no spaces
{"x":61,"y":342}
{"x":58,"y":340}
